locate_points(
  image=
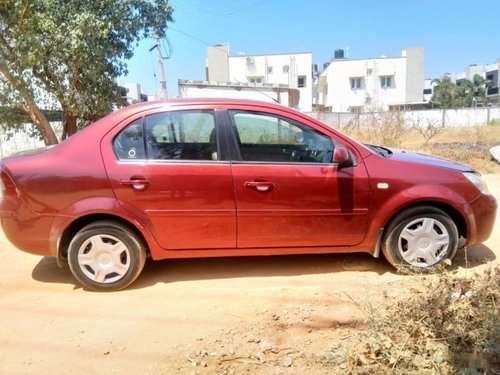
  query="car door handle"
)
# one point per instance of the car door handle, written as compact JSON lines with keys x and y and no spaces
{"x":138,"y":183}
{"x":262,"y":186}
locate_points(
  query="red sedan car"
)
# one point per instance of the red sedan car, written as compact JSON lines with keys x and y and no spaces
{"x":217,"y":177}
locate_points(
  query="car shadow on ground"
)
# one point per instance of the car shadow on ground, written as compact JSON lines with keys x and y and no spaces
{"x":258,"y":266}
{"x":175,"y":270}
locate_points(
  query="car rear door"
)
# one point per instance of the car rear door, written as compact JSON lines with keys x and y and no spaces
{"x":166,"y":168}
{"x":288,"y":191}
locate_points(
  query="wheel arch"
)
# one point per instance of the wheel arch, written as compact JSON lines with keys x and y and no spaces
{"x":455,"y":215}
{"x":379,"y":228}
{"x":76,"y":225}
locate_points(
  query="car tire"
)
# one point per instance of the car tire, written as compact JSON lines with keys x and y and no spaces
{"x":420,"y":239}
{"x":106,"y":256}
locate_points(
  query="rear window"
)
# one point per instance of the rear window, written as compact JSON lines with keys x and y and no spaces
{"x":179,"y":135}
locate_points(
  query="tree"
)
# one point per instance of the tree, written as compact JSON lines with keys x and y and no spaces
{"x":478,"y":86}
{"x":69,"y":52}
{"x":447,"y":94}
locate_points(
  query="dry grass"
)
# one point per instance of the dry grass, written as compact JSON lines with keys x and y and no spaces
{"x":466,"y":145}
{"x":445,"y":325}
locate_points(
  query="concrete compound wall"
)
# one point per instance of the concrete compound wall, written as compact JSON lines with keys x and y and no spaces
{"x":437,"y":117}
{"x":22,"y":140}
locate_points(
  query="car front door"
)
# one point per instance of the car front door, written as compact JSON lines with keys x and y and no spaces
{"x":288,"y":191}
{"x":166,"y":169}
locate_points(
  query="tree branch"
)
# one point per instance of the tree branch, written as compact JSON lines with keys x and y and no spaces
{"x":31,"y":108}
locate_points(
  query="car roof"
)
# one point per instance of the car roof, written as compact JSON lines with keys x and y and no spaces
{"x":201,"y":101}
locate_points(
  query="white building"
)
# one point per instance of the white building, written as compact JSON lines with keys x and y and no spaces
{"x":272,"y":93}
{"x":360,"y":85}
{"x":132,"y":93}
{"x":288,"y":76}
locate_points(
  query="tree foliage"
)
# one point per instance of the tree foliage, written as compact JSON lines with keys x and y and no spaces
{"x":448,"y":94}
{"x":67,"y":53}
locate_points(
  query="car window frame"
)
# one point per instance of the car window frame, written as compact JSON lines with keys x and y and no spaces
{"x":221,"y":139}
{"x":235,"y":154}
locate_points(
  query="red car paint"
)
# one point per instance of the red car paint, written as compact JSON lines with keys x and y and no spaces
{"x":226,"y":207}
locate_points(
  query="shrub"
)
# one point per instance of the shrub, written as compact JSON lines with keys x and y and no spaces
{"x":446,"y":325}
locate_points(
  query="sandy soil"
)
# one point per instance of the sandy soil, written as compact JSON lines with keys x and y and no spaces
{"x":268,"y":315}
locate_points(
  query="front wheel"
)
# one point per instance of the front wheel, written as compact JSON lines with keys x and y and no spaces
{"x":420,"y":239}
{"x":106,"y":256}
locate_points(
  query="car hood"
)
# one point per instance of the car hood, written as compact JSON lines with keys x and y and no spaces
{"x":415,"y":157}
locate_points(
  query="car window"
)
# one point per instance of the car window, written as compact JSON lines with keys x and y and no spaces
{"x":129,"y":144}
{"x":181,"y":135}
{"x":269,"y":138}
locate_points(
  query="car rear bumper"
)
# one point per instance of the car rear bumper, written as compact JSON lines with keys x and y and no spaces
{"x":26,"y":230}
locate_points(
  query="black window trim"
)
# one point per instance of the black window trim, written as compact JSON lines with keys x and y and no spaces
{"x":235,"y":153}
{"x":220,"y":132}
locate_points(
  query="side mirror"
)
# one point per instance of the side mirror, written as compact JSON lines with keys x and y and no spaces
{"x":342,"y":156}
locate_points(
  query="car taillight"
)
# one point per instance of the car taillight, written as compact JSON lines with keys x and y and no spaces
{"x":7,"y":187}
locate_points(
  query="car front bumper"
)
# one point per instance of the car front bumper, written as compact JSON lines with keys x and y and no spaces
{"x":484,"y":212}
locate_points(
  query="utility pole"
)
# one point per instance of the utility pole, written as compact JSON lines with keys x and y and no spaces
{"x":163,"y":94}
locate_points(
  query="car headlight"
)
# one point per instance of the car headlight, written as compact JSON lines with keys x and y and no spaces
{"x":476,"y":179}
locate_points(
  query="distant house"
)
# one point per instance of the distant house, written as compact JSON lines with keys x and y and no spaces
{"x":132,"y":93}
{"x":490,"y":72}
{"x":360,"y":85}
{"x":285,"y":78}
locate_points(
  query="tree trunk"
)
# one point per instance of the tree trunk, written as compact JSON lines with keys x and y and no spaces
{"x":42,"y":124}
{"x":69,"y":126}
{"x":35,"y":113}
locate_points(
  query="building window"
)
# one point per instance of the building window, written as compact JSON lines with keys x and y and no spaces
{"x":269,"y":70}
{"x":357,"y":83}
{"x":301,"y":81}
{"x":386,"y":82}
{"x":427,"y":91}
{"x":255,"y":80}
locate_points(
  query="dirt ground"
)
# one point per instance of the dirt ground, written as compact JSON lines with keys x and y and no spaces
{"x":265,"y":315}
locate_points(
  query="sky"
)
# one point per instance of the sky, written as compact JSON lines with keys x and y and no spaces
{"x":454,"y":34}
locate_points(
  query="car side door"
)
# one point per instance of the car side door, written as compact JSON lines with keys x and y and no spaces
{"x":167,"y":169}
{"x":289,"y":192}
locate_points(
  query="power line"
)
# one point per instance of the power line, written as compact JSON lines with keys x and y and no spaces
{"x":209,"y":6}
{"x":223,"y":50}
{"x":169,"y":50}
{"x":197,"y":39}
{"x":247,"y":7}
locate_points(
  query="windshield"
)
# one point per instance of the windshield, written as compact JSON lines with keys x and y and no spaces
{"x":382,"y":151}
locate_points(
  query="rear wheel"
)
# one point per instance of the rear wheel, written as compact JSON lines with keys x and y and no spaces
{"x":106,"y":256}
{"x":420,"y":239}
